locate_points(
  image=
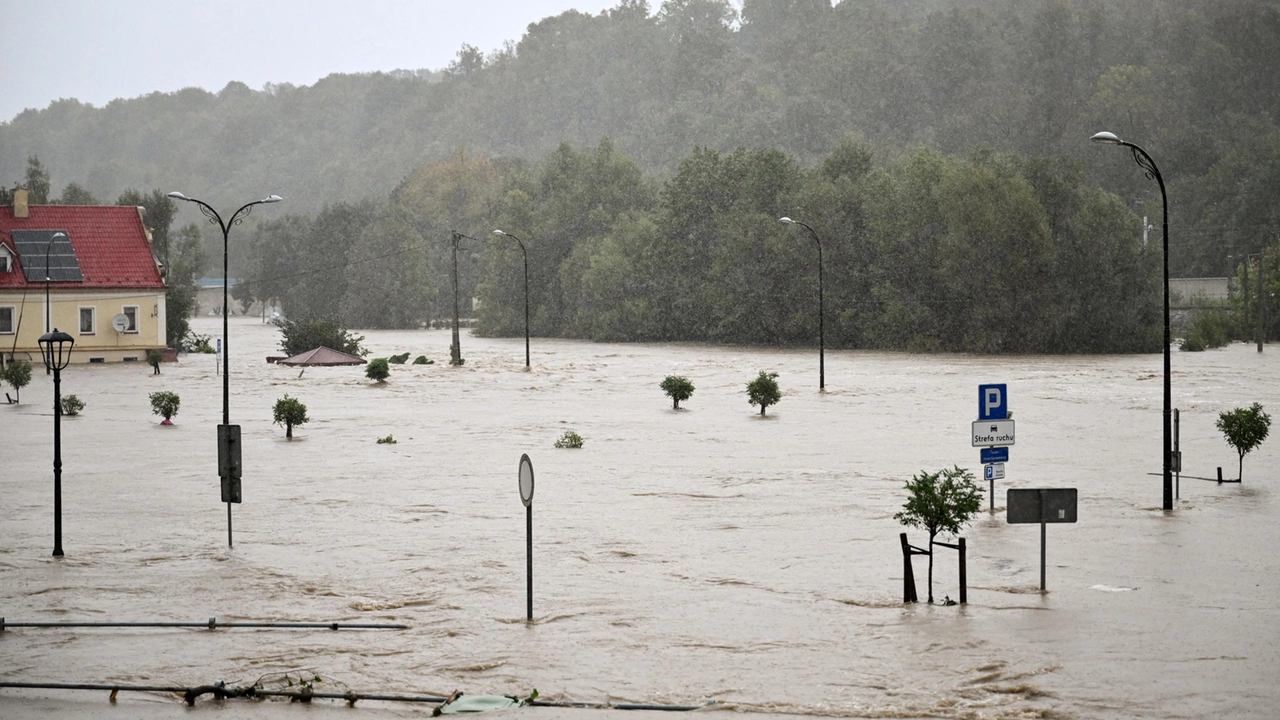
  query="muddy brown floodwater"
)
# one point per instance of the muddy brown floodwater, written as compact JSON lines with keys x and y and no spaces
{"x":681,"y":557}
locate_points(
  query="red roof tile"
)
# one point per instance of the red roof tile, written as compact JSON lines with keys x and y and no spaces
{"x":109,"y":240}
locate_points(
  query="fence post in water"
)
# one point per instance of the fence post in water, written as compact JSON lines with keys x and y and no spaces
{"x":964,"y":580}
{"x":1219,"y":474}
{"x":908,"y":577}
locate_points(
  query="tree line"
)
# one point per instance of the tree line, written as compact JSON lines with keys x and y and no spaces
{"x":926,"y":252}
{"x":1192,"y":81}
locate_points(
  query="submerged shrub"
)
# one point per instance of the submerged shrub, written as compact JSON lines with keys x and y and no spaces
{"x":569,"y":439}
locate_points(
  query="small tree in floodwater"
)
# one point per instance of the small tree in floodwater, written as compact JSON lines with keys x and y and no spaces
{"x":1244,"y":429}
{"x":677,"y":388}
{"x":940,"y":502}
{"x":290,"y":411}
{"x":763,"y":391}
{"x":18,"y":374}
{"x":378,"y":369}
{"x":165,"y":404}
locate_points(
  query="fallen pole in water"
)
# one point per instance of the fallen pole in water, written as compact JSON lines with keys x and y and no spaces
{"x":210,"y":624}
{"x":221,"y":691}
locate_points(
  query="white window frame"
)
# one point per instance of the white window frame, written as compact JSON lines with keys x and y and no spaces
{"x":93,"y":320}
{"x":133,"y":326}
{"x":13,"y":312}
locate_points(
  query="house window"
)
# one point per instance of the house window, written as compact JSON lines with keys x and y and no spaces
{"x":6,"y":320}
{"x":131,"y":314}
{"x":88,"y":321}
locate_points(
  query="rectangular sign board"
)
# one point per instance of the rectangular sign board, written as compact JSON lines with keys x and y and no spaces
{"x":992,"y":433}
{"x":994,"y":471}
{"x":993,"y":402}
{"x":994,"y":455}
{"x":1035,"y":505}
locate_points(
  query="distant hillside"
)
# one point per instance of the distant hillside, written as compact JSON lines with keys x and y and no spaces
{"x":1193,"y":81}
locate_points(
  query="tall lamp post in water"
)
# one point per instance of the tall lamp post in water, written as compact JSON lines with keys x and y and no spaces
{"x":822,"y":341}
{"x":227,"y":435}
{"x":48,"y":308}
{"x":525,"y":253}
{"x":55,"y":349}
{"x":1144,"y":161}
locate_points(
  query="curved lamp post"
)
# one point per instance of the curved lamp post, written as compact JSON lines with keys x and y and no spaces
{"x":236,"y":218}
{"x":1144,"y":161}
{"x":525,"y":253}
{"x":55,"y":349}
{"x":822,"y":342}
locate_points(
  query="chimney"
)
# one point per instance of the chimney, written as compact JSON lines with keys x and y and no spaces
{"x":20,"y":204}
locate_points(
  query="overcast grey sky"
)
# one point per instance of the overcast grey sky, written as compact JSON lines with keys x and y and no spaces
{"x":99,"y":50}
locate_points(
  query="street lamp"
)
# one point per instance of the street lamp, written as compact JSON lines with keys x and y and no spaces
{"x":55,"y":349}
{"x":1144,"y":161}
{"x":48,"y":309}
{"x":525,"y":253}
{"x":822,"y":341}
{"x":236,"y":218}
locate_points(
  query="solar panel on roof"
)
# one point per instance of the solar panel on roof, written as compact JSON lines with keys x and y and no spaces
{"x":33,"y":247}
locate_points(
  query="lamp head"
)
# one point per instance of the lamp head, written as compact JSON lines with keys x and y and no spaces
{"x":178,"y":196}
{"x":1107,"y":138}
{"x":55,"y":349}
{"x":498,"y":232}
{"x":271,"y":199}
{"x":786,"y":220}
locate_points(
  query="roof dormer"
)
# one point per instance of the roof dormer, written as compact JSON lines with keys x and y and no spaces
{"x":6,"y":258}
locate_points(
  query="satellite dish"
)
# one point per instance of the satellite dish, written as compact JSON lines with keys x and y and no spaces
{"x":120,"y":322}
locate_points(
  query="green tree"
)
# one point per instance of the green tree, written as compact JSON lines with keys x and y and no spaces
{"x":1244,"y":429}
{"x":185,"y":264}
{"x":763,"y":391}
{"x":940,"y":502}
{"x":37,"y":182}
{"x":165,"y":404}
{"x":299,"y":336}
{"x":378,"y":369}
{"x":18,"y":374}
{"x":677,"y":388}
{"x":72,"y":405}
{"x":74,"y":194}
{"x":289,"y":412}
{"x":154,"y":358}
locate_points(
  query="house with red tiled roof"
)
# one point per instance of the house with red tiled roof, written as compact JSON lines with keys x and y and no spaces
{"x":99,"y":271}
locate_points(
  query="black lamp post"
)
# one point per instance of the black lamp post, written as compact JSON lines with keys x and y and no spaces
{"x":1144,"y":161}
{"x":822,"y":338}
{"x":48,"y":309}
{"x":525,"y":253}
{"x":236,"y":218}
{"x":55,"y":349}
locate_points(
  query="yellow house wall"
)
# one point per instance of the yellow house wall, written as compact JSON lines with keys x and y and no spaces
{"x":105,"y":342}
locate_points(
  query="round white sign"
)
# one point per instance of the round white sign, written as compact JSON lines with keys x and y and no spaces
{"x":526,"y":480}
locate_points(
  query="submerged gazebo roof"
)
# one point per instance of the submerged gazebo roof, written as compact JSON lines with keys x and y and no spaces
{"x":323,"y":356}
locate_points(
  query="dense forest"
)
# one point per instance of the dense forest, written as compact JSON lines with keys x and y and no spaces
{"x":644,"y":155}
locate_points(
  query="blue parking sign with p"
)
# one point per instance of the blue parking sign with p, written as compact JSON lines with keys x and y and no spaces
{"x":993,"y":402}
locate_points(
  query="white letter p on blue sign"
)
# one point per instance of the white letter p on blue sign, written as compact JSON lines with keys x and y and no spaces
{"x":993,"y":402}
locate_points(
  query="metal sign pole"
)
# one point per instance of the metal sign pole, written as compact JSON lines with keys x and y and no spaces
{"x":1044,"y":506}
{"x":529,"y":561}
{"x":526,"y":497}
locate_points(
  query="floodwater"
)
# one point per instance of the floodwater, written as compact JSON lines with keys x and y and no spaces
{"x":681,"y":557}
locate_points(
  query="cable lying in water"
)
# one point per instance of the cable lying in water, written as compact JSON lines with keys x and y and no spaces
{"x":220,"y":691}
{"x":211,"y":624}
